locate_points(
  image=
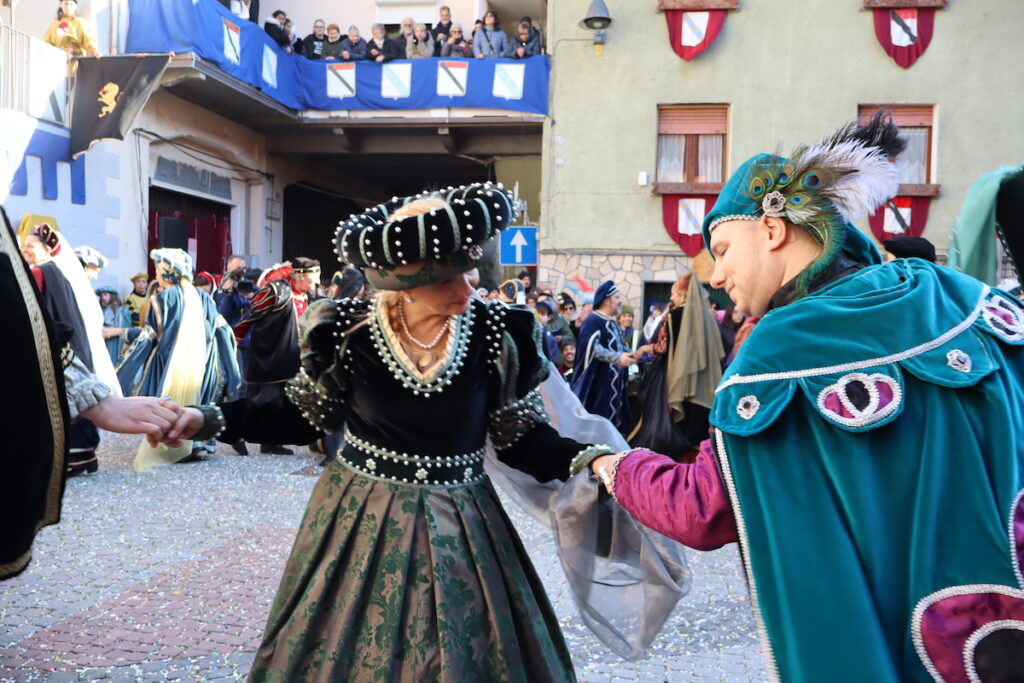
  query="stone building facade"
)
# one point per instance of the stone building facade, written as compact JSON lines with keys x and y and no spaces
{"x":780,"y":84}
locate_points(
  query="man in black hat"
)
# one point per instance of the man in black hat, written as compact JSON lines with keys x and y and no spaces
{"x":601,"y":378}
{"x":273,"y":316}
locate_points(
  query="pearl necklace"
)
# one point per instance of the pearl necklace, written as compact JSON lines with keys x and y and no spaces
{"x":414,"y":340}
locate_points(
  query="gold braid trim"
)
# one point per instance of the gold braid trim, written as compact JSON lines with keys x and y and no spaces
{"x":51,"y":514}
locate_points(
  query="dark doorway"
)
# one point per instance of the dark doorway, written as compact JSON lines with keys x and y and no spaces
{"x":654,"y":293}
{"x":208,"y":226}
{"x":310,"y":217}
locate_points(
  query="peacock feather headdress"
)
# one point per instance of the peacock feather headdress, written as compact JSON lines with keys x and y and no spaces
{"x":821,"y":188}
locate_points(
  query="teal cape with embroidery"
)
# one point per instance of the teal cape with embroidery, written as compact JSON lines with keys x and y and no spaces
{"x":871,"y":437}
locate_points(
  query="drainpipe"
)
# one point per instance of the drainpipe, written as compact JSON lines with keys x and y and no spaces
{"x":113,"y":6}
{"x":249,"y":215}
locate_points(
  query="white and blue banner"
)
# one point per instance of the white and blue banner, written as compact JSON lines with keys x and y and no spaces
{"x":243,"y":50}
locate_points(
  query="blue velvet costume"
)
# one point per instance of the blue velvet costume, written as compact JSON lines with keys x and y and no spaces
{"x":599,"y":382}
{"x":143,"y":369}
{"x":870,"y":435}
{"x":868,"y":471}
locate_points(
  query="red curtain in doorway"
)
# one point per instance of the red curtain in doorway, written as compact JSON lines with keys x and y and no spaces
{"x":210,"y":235}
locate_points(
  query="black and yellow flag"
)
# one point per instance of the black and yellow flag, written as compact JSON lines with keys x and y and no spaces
{"x":109,"y":93}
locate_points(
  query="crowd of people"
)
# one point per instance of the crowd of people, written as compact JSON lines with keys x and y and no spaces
{"x":487,"y":39}
{"x":186,"y":336}
{"x":446,"y":38}
{"x":198,"y":337}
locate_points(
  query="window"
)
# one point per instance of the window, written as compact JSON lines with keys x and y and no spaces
{"x":915,"y":162}
{"x":691,"y":147}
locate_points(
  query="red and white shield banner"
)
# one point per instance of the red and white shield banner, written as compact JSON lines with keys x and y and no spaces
{"x":904,"y":33}
{"x":692,"y":32}
{"x":683,"y":216}
{"x":914,"y":211}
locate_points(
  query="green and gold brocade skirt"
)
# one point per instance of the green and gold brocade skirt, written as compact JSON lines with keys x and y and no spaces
{"x":394,"y":582}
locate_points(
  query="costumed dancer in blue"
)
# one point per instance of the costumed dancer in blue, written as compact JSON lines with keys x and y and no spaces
{"x":601,"y":378}
{"x":868,"y":441}
{"x":185,"y":351}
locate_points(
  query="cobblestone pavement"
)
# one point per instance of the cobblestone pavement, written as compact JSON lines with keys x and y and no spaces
{"x":170,"y":575}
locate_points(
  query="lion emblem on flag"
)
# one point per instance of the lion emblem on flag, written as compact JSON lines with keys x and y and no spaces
{"x":108,"y":96}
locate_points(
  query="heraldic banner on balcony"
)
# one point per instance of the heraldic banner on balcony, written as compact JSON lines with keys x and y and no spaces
{"x":242,"y":49}
{"x":109,"y":94}
{"x":693,"y":32}
{"x":905,"y":33}
{"x":683,"y":216}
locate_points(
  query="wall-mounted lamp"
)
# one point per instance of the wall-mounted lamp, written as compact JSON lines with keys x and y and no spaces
{"x":597,"y":20}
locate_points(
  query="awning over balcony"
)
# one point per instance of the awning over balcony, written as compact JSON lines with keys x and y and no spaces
{"x":243,"y":50}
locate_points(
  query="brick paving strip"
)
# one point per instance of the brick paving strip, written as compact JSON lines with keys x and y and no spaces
{"x":216,"y":604}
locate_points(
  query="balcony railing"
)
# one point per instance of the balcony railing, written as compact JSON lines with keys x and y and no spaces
{"x":33,"y":76}
{"x":243,"y":50}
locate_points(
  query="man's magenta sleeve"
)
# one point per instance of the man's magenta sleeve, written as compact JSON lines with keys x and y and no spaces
{"x":686,"y":502}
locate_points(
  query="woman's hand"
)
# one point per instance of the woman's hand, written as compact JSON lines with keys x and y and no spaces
{"x":189,"y":421}
{"x":606,"y":463}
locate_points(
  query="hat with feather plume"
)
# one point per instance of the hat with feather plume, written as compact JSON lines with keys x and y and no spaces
{"x":821,"y":188}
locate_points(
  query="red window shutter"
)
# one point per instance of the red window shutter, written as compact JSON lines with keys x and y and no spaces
{"x":902,"y":114}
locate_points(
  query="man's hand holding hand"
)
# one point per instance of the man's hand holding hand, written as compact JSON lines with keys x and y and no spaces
{"x":135,"y":415}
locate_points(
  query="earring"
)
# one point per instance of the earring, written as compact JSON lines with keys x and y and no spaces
{"x":409,"y":299}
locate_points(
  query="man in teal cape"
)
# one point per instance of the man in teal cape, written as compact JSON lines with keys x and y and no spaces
{"x":867,"y":448}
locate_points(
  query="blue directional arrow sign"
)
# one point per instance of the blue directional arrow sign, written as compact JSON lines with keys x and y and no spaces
{"x":519,"y":246}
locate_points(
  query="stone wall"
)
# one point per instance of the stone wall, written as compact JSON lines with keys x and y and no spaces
{"x":629,"y":271}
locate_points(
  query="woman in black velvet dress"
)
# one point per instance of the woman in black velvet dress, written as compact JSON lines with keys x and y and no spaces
{"x":406,"y":567}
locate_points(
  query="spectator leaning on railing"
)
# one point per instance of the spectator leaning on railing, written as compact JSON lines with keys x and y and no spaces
{"x":525,"y":44}
{"x":274,"y":26}
{"x":477,"y":25}
{"x":456,"y":45}
{"x":534,"y":33}
{"x":332,"y":48}
{"x":353,"y":47}
{"x":442,"y":30}
{"x":490,"y":41}
{"x":405,"y":34}
{"x":313,"y":44}
{"x":421,"y":44}
{"x":293,"y":38}
{"x":381,"y":48}
{"x":72,"y":33}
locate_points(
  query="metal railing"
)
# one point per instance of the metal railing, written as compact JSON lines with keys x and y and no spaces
{"x":33,"y":76}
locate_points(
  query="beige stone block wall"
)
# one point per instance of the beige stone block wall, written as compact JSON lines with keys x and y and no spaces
{"x":629,"y":271}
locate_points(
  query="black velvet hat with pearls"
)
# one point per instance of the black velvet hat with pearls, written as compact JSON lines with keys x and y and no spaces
{"x":421,"y":250}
